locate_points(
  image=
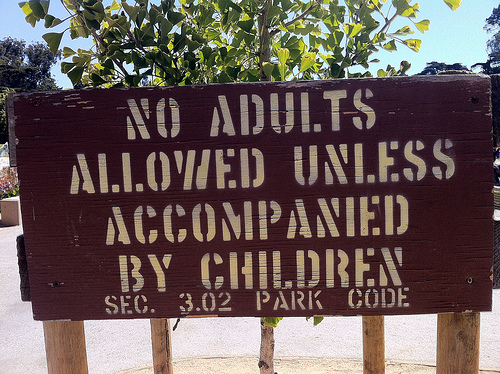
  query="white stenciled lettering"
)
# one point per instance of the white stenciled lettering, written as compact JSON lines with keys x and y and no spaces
{"x":369,"y":122}
{"x":135,"y":273}
{"x":151,"y":171}
{"x":158,"y":268}
{"x":275,"y":113}
{"x":263,"y":270}
{"x":386,"y":161}
{"x":378,"y":298}
{"x":288,"y":300}
{"x":259,"y":220}
{"x":335,"y":97}
{"x":301,"y":269}
{"x":116,"y":222}
{"x":245,"y":115}
{"x":141,"y":114}
{"x":227,"y":126}
{"x":167,"y":224}
{"x":83,"y":169}
{"x":446,"y":158}
{"x":139,"y":225}
{"x":209,"y":223}
{"x":126,"y":304}
{"x":300,"y":213}
{"x":313,"y":165}
{"x":410,"y":149}
{"x":305,"y":114}
{"x":206,"y":277}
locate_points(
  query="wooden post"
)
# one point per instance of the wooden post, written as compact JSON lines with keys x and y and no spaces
{"x":458,"y":343}
{"x":162,"y":346}
{"x":65,"y":347}
{"x":373,"y":345}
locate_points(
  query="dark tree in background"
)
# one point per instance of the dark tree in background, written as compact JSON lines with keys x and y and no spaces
{"x":435,"y":67}
{"x":492,"y":65}
{"x":23,"y":68}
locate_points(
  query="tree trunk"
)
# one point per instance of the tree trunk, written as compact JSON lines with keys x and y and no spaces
{"x":264,"y":42}
{"x":266,"y":361}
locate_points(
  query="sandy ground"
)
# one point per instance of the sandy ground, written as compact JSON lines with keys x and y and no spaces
{"x":286,"y":365}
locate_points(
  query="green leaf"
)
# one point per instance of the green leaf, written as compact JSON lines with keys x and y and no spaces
{"x":179,"y":42}
{"x":96,"y":79}
{"x":402,"y":6}
{"x":75,"y":75}
{"x":25,"y":7}
{"x":53,"y":39}
{"x":404,"y":67}
{"x":39,"y":7}
{"x":138,"y":60}
{"x":69,"y":5}
{"x":308,"y":60}
{"x":236,"y":7}
{"x":272,"y":321}
{"x":336,"y":71}
{"x":356,"y":29}
{"x":390,"y":46}
{"x":268,"y":69}
{"x":405,"y":30}
{"x":68,"y":52}
{"x":223,"y":4}
{"x":224,"y":78}
{"x":175,"y":17}
{"x":283,"y":55}
{"x":453,"y":4}
{"x":51,"y":21}
{"x":153,"y":14}
{"x":165,"y":27}
{"x":423,"y":26}
{"x":67,"y":66}
{"x":132,"y":11}
{"x":413,"y":44}
{"x":114,"y":6}
{"x":246,"y":25}
{"x":286,"y":4}
{"x":317,"y":320}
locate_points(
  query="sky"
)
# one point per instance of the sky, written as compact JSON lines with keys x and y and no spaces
{"x":453,"y":36}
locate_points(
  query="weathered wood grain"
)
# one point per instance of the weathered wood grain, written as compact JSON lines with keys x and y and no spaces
{"x":161,"y":339}
{"x":352,"y":197}
{"x":373,"y":345}
{"x":458,"y":343}
{"x":65,"y":347}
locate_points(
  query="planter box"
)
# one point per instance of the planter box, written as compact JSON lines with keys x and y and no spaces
{"x":11,"y":211}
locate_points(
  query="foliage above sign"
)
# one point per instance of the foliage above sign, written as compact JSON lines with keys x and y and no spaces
{"x":291,"y":199}
{"x":168,"y":42}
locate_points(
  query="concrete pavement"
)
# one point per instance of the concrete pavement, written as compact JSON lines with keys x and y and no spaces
{"x":121,"y":346}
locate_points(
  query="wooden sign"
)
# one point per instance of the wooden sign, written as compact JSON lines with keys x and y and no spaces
{"x":344,"y":197}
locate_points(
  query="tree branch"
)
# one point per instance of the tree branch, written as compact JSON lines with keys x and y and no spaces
{"x":264,"y":42}
{"x":300,"y":17}
{"x":98,"y":38}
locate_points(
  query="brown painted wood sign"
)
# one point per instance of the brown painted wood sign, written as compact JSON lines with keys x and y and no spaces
{"x":348,"y":197}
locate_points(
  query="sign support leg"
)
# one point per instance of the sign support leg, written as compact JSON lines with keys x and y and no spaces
{"x":458,"y":343}
{"x":65,"y":347}
{"x":373,"y":345}
{"x":162,"y":346}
